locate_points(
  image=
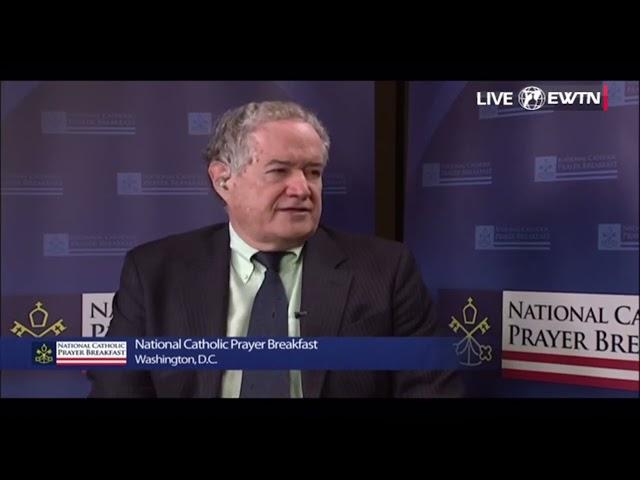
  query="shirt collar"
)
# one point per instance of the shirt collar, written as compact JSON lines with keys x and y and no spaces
{"x":241,"y":253}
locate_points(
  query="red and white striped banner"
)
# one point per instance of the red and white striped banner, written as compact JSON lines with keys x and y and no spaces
{"x":572,"y":338}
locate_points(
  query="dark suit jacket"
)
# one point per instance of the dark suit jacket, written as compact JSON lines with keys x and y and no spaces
{"x":351,"y":286}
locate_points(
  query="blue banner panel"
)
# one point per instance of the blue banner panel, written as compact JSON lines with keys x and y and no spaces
{"x":530,"y":188}
{"x":232,"y":353}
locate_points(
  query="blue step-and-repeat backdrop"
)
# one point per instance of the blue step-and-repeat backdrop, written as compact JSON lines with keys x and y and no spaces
{"x":91,"y":169}
{"x":523,"y":215}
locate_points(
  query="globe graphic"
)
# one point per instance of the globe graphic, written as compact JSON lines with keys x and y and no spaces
{"x":531,"y":98}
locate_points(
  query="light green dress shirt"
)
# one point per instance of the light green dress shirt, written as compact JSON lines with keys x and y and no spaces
{"x":245,"y":278}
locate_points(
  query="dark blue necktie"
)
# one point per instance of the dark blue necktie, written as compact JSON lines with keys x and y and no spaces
{"x":269,"y":318}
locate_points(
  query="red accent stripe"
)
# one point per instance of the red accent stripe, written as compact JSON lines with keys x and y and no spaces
{"x":91,"y":358}
{"x":631,"y":385}
{"x":632,"y":365}
{"x":605,"y":97}
{"x":80,"y":359}
{"x":92,"y":362}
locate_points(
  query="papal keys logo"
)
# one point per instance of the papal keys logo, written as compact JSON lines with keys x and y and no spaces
{"x":470,"y":350}
{"x":43,"y":353}
{"x":38,"y":320}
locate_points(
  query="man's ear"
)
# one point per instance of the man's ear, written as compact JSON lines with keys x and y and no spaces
{"x":219,"y":174}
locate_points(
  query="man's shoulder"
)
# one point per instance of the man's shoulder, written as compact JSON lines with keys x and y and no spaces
{"x":350,"y":238}
{"x":185,"y":245}
{"x":357,"y":245}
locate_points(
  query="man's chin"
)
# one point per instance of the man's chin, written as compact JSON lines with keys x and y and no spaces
{"x":296,"y":236}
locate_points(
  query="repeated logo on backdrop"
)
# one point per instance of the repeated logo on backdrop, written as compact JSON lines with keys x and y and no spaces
{"x":541,"y":198}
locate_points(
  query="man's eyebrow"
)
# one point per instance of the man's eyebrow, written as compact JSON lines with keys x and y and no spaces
{"x":314,"y":163}
{"x":287,"y":163}
{"x":275,"y":161}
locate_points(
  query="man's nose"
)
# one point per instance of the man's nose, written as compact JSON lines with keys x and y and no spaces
{"x":297,"y":185}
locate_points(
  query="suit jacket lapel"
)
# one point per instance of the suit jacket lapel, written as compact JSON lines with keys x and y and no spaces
{"x":325,"y":288}
{"x":206,"y":298}
{"x":205,"y":294}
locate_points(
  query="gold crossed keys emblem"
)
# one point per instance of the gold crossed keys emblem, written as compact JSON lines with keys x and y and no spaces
{"x":38,"y":318}
{"x":43,"y":355}
{"x":469,"y":350}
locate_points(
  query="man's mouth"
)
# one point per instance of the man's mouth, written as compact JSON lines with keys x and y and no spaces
{"x":294,"y":209}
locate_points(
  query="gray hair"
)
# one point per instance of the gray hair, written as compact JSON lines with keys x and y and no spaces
{"x":229,"y":144}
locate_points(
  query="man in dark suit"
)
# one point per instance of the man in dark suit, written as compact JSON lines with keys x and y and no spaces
{"x":272,"y":270}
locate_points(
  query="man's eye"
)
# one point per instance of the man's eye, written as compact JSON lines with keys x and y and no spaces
{"x":315,"y":173}
{"x":277,"y":170}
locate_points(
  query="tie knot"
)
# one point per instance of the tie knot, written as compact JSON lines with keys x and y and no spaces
{"x":271,"y":260}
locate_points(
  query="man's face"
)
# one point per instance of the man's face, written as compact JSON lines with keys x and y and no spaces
{"x":276,"y":201}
